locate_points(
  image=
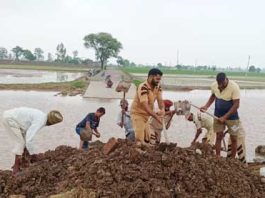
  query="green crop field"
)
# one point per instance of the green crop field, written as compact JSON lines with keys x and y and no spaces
{"x":142,"y":70}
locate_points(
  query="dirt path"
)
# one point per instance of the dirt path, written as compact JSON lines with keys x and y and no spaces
{"x":97,"y":87}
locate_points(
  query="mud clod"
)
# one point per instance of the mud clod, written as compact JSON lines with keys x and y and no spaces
{"x":132,"y":171}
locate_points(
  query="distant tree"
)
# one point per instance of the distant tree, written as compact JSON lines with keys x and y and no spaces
{"x":38,"y":52}
{"x":10,"y":57}
{"x":18,"y":52}
{"x":124,"y":62}
{"x":61,"y":52}
{"x":49,"y":57}
{"x":258,"y":70}
{"x":133,"y":64}
{"x":159,"y":65}
{"x":68,"y":59}
{"x":3,"y":53}
{"x":105,"y":46}
{"x":28,"y":55}
{"x":87,"y":61}
{"x":179,"y":66}
{"x":252,"y":68}
{"x":75,"y":54}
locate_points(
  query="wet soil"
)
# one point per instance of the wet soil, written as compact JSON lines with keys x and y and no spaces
{"x":132,"y":171}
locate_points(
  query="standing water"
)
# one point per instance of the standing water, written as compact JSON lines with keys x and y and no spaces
{"x":75,"y":108}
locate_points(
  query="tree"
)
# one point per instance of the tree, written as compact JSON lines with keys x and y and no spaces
{"x":61,"y":52}
{"x":75,"y":54}
{"x":49,"y":57}
{"x":28,"y":55}
{"x":38,"y":52}
{"x":18,"y":52}
{"x":252,"y":68}
{"x":105,"y":46}
{"x":3,"y":53}
{"x":159,"y":65}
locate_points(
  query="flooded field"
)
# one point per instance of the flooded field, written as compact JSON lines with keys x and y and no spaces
{"x":75,"y":108}
{"x":9,"y":76}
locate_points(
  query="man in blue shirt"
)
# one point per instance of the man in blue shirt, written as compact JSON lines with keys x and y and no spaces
{"x":91,"y":123}
{"x":126,"y":121}
{"x":226,"y":95}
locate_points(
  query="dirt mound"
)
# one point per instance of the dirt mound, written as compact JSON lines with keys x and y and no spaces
{"x":132,"y":171}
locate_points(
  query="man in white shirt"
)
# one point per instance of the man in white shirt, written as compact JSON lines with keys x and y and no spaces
{"x":22,"y":124}
{"x":202,"y":121}
{"x":124,"y":120}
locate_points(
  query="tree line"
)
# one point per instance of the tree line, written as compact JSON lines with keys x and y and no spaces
{"x":104,"y":45}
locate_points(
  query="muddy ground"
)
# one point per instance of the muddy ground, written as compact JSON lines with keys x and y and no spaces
{"x":132,"y":171}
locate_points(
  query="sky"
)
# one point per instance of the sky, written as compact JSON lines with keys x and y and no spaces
{"x":200,"y":32}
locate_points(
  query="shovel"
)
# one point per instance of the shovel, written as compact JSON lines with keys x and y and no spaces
{"x":123,"y":86}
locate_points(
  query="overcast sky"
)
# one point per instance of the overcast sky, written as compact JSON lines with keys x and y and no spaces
{"x":212,"y":32}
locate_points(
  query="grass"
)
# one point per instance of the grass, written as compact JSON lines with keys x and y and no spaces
{"x":74,"y":87}
{"x":144,"y":70}
{"x":137,"y":82}
{"x":47,"y":68}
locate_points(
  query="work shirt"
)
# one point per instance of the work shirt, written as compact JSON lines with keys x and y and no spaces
{"x":92,"y":119}
{"x":224,"y":99}
{"x":126,"y":121}
{"x":202,"y":120}
{"x":29,"y":121}
{"x":144,"y":93}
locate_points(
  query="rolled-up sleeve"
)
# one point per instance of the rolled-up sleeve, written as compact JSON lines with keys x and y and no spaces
{"x":143,"y":93}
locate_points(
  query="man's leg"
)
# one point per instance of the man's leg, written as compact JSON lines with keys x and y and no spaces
{"x":219,"y":137}
{"x":16,"y":136}
{"x":233,"y":130}
{"x":141,"y":129}
{"x":152,"y":135}
{"x":218,"y":129}
{"x":229,"y":148}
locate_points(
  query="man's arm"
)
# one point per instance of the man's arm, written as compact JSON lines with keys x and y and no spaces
{"x":87,"y":125}
{"x":160,"y":102}
{"x":199,"y":131}
{"x":31,"y":132}
{"x":209,"y":103}
{"x":97,"y":134}
{"x":151,"y":112}
{"x":232,"y":110}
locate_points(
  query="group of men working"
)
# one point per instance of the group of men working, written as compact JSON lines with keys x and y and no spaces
{"x":142,"y":124}
{"x":148,"y":124}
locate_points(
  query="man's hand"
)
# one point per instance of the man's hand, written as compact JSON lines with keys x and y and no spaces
{"x":123,"y":111}
{"x":97,"y":135}
{"x":158,"y":119}
{"x":204,"y":108}
{"x":161,"y":113}
{"x":222,"y":120}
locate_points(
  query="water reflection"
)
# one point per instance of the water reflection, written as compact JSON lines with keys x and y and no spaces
{"x":75,"y":108}
{"x":33,"y":76}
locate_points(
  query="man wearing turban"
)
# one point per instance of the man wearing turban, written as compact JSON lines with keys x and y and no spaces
{"x":22,"y":124}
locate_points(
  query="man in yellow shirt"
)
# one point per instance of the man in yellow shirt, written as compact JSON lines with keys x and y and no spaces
{"x":143,"y":105}
{"x":202,"y":121}
{"x":226,"y":94}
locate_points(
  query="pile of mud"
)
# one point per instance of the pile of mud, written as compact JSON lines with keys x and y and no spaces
{"x":132,"y":171}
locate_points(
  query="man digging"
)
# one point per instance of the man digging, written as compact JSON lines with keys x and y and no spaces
{"x":226,"y":94}
{"x":202,"y":121}
{"x":88,"y":126}
{"x":143,"y":105}
{"x":22,"y":124}
{"x":156,"y":127}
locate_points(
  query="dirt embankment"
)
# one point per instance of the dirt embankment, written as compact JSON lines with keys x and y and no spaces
{"x":71,"y":88}
{"x":132,"y":171}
